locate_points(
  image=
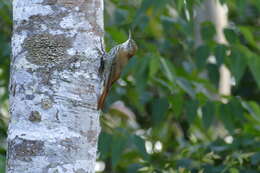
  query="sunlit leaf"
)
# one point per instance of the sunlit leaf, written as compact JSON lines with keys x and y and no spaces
{"x":233,"y":170}
{"x":247,"y":33}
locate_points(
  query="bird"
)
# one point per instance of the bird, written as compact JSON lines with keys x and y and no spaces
{"x":112,"y":65}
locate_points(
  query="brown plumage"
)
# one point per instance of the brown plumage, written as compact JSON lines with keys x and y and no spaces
{"x":114,"y":63}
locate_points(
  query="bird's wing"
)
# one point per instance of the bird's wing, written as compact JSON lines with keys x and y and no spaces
{"x":109,"y":79}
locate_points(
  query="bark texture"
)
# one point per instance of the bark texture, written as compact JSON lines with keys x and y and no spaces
{"x":212,"y":10}
{"x":54,"y":86}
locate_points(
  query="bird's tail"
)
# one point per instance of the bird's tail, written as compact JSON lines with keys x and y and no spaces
{"x":102,"y":98}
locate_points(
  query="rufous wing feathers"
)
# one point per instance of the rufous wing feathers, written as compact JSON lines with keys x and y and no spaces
{"x":102,"y":99}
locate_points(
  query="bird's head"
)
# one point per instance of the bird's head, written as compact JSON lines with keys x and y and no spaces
{"x":129,"y":47}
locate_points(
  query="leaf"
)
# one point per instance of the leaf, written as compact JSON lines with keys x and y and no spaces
{"x":213,"y":72}
{"x":207,"y":31}
{"x":119,"y":143}
{"x":247,"y":33}
{"x":255,"y":159}
{"x":163,"y":83}
{"x":231,"y":36}
{"x":141,"y":73}
{"x":2,"y":164}
{"x":133,"y":168}
{"x":141,"y":21}
{"x":180,"y":4}
{"x":191,"y":110}
{"x":117,"y":34}
{"x":144,"y":6}
{"x":220,"y":54}
{"x":201,"y":54}
{"x":253,"y":60}
{"x":168,"y":69}
{"x":159,"y":109}
{"x":140,"y":144}
{"x":233,"y":170}
{"x":254,"y":65}
{"x":140,"y":17}
{"x":254,"y":109}
{"x":226,"y":116}
{"x":177,"y":102}
{"x":223,"y":1}
{"x":186,"y":86}
{"x":130,"y":67}
{"x":208,"y":111}
{"x":237,"y":63}
{"x":237,"y":109}
{"x":154,"y":65}
{"x":104,"y":144}
{"x":159,"y":5}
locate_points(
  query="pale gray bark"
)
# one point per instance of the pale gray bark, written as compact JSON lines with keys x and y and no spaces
{"x":212,"y":10}
{"x":54,"y":86}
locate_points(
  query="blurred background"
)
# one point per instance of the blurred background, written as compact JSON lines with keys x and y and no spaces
{"x":189,"y":101}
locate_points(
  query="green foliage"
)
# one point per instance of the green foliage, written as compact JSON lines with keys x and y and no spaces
{"x":173,"y":120}
{"x":201,"y":55}
{"x":208,"y":111}
{"x":208,"y":31}
{"x":171,"y":90}
{"x":5,"y":32}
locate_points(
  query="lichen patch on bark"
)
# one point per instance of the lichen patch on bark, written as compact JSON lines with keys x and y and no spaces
{"x":46,"y":103}
{"x":46,"y":49}
{"x":26,"y":148}
{"x":35,"y":116}
{"x":92,"y":136}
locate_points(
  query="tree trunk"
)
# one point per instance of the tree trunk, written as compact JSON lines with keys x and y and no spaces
{"x":54,"y":86}
{"x":212,"y":10}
